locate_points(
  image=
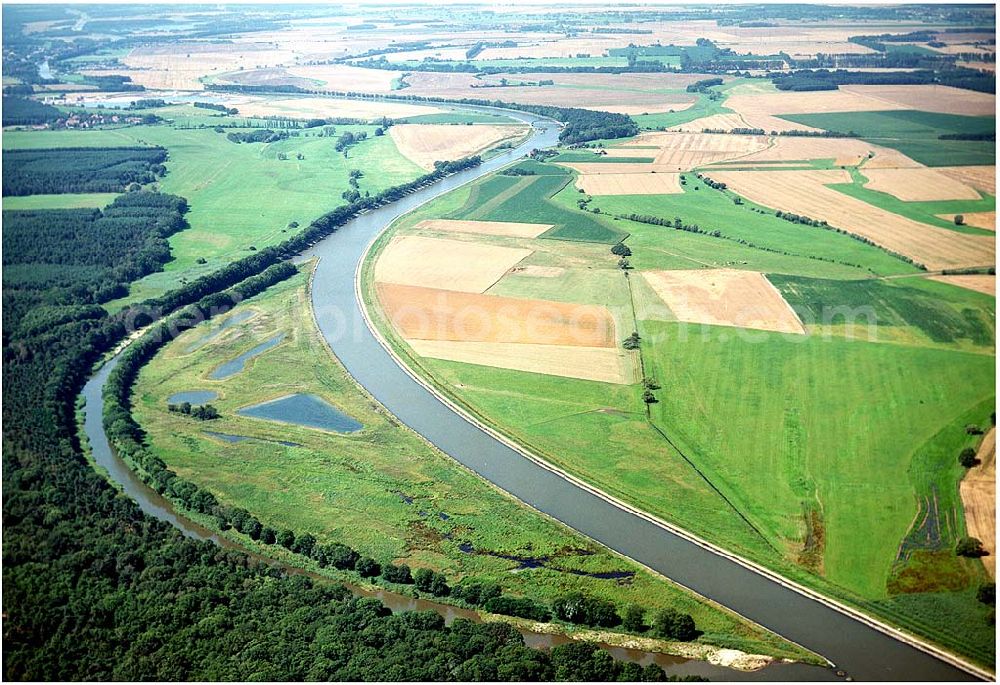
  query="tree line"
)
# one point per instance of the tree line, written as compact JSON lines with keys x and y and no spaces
{"x":581,"y":125}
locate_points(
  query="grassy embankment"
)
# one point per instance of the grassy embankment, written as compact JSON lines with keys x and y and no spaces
{"x":772,"y":443}
{"x":382,"y":490}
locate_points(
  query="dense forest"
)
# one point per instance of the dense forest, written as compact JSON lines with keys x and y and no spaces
{"x":823,"y":79}
{"x":80,"y":170}
{"x":21,"y":111}
{"x":94,"y":589}
{"x":70,"y":256}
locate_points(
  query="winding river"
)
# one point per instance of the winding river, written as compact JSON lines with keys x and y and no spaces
{"x":854,"y":646}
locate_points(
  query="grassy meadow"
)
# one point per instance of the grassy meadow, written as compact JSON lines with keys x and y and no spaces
{"x":382,"y":490}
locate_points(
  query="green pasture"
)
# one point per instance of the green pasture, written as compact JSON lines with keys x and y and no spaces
{"x":914,"y":133}
{"x":355,"y":488}
{"x":59,"y":201}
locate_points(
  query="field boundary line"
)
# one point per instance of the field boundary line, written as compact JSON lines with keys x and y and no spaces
{"x":837,"y":605}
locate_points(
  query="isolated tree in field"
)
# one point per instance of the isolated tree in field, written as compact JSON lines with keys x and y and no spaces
{"x":648,"y":397}
{"x":969,"y":547}
{"x":621,"y":250}
{"x":987,"y":593}
{"x":967,"y":458}
{"x":623,"y":264}
{"x":959,"y":219}
{"x":368,"y":567}
{"x":973,"y":429}
{"x":674,"y":625}
{"x":632,"y":342}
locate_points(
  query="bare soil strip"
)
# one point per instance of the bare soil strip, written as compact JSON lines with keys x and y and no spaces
{"x":981,"y":283}
{"x":918,"y":185}
{"x":725,"y":297}
{"x":445,"y":264}
{"x":430,"y":314}
{"x":605,"y":364}
{"x":979,"y":499}
{"x":508,"y":229}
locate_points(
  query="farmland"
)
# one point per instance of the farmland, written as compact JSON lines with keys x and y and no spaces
{"x":383,"y":490}
{"x":780,"y":479}
{"x":624,"y":380}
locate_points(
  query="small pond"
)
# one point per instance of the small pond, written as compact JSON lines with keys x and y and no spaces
{"x":234,"y":366}
{"x":214,"y":331}
{"x":194,"y":397}
{"x":303,"y":410}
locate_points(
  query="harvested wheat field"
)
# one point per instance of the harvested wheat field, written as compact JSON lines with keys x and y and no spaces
{"x":685,"y":151}
{"x":445,"y":264}
{"x":981,"y":283}
{"x":424,"y":144}
{"x":605,"y":364}
{"x":507,"y":229}
{"x":347,"y":78}
{"x":978,"y":489}
{"x":984,"y":220}
{"x":929,"y":98}
{"x":430,"y":314}
{"x":806,"y":193}
{"x":918,"y":185}
{"x":587,"y":91}
{"x":980,"y":177}
{"x":717,"y":122}
{"x":630,"y":184}
{"x":319,"y":107}
{"x":845,"y":152}
{"x":670,"y":104}
{"x":724,"y":297}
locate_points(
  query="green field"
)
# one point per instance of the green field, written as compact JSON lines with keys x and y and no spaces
{"x":784,"y":247}
{"x":914,"y":133}
{"x":61,"y":201}
{"x":241,"y":195}
{"x":382,"y":490}
{"x":530,"y":199}
{"x":809,"y":454}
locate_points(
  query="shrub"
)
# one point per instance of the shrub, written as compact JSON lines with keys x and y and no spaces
{"x":967,"y":458}
{"x":673,"y":625}
{"x":969,"y":547}
{"x":368,"y":567}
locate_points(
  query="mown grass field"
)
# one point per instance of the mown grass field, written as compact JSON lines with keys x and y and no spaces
{"x":811,"y":454}
{"x":382,"y":490}
{"x":914,"y":133}
{"x":241,"y":195}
